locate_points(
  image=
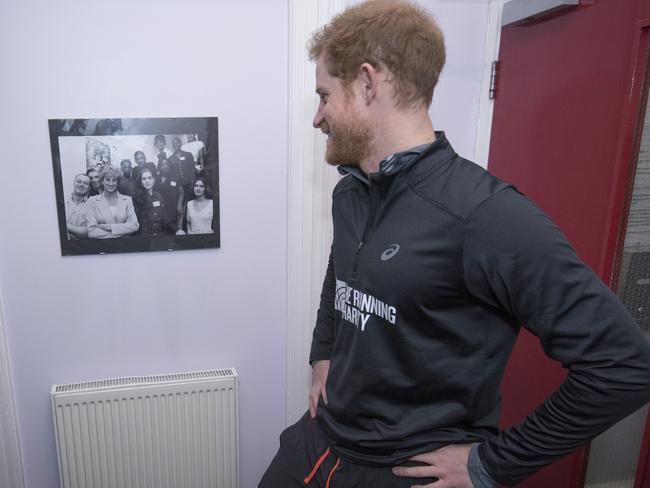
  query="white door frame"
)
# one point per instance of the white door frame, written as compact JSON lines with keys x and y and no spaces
{"x":486,"y":106}
{"x":11,"y":471}
{"x":310,"y":184}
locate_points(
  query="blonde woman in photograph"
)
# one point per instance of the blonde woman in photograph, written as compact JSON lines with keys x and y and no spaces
{"x":111,"y":214}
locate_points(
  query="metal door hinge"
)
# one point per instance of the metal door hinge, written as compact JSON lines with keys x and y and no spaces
{"x":493,"y":80}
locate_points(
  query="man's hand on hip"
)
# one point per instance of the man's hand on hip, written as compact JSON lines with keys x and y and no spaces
{"x":319,"y":371}
{"x":448,"y":464}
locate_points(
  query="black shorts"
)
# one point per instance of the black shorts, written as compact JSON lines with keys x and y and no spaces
{"x":305,"y":460}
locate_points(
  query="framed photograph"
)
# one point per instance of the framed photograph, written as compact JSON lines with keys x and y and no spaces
{"x":135,"y":185}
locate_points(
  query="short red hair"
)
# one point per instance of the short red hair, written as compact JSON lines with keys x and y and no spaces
{"x":391,"y":35}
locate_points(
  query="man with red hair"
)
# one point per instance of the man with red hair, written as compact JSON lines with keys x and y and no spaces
{"x":435,"y":265}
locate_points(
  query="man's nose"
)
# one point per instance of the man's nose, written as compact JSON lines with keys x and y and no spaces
{"x":318,"y":120}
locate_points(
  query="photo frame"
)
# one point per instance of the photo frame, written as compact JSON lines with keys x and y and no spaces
{"x":152,"y":184}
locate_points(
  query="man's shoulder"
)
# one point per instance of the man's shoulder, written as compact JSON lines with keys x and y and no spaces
{"x":127,"y":180}
{"x":180,"y":154}
{"x":455,"y":184}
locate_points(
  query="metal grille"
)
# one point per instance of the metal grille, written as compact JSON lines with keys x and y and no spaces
{"x":634,"y":287}
{"x":614,"y":454}
{"x":634,"y":276}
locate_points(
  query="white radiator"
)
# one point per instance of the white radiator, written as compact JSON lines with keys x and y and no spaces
{"x":169,"y":431}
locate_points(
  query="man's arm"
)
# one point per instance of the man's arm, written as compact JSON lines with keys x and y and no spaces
{"x":320,"y":370}
{"x":323,"y":338}
{"x":181,"y":197}
{"x":516,"y":259}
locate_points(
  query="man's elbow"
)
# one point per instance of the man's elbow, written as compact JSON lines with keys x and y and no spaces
{"x":638,"y":374}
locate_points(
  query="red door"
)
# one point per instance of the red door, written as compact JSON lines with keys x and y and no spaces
{"x":565,"y":118}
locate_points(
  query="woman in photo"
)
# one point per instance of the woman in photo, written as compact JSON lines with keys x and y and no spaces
{"x":110,"y":214}
{"x":199,"y":209}
{"x":150,"y":208}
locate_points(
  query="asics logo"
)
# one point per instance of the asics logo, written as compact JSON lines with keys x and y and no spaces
{"x":390,"y":252}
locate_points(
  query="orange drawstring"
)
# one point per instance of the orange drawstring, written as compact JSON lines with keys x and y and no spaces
{"x":316,"y":466}
{"x":338,"y":461}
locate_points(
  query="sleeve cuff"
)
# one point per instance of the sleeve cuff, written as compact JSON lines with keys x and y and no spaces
{"x":477,"y":472}
{"x":316,"y":359}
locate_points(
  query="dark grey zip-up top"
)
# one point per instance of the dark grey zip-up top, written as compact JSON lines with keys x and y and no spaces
{"x":434,"y":265}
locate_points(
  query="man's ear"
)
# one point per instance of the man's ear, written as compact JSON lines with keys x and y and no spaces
{"x":368,"y":82}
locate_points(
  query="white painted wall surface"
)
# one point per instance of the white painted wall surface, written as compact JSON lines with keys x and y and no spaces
{"x":455,"y":107}
{"x":81,"y":318}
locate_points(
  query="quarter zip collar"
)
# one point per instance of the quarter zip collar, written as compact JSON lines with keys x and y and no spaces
{"x":399,"y":161}
{"x":354,"y":170}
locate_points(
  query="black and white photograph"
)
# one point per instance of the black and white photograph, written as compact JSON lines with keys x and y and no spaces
{"x":136,"y":184}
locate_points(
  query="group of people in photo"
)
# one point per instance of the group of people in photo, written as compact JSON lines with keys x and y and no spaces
{"x":168,"y":196}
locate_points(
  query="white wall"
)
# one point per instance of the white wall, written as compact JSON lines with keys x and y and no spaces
{"x":455,"y":107}
{"x":77,"y":318}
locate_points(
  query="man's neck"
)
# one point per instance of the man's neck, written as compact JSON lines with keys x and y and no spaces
{"x":400,"y":132}
{"x":79,"y":198}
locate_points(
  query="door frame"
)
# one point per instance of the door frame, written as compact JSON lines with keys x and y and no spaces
{"x":309,"y":190}
{"x":628,"y":152}
{"x":11,"y":470}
